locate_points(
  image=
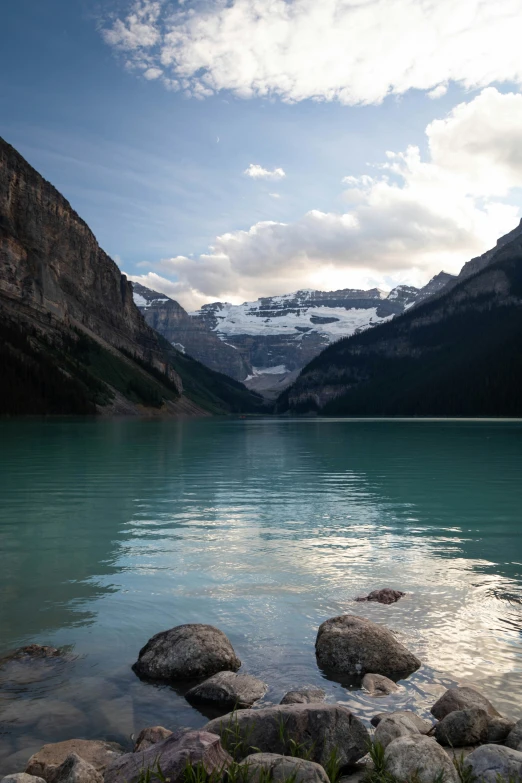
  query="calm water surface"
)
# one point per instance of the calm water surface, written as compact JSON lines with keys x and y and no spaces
{"x":111,"y":531}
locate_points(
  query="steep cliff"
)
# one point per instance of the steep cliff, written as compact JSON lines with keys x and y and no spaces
{"x":189,"y":335}
{"x":73,"y":341}
{"x":459,"y":353}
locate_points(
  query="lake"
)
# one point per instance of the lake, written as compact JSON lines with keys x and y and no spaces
{"x":113,"y":530}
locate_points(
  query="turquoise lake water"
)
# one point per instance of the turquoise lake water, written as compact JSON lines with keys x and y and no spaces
{"x":111,"y":531}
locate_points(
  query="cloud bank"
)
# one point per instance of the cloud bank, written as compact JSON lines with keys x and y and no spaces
{"x":405,"y":222}
{"x":338,"y":50}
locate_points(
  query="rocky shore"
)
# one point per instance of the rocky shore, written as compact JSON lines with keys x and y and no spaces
{"x":304,"y":739}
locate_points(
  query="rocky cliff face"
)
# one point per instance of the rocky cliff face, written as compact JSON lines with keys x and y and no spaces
{"x":189,"y":335}
{"x":71,"y":338}
{"x":457,"y":353}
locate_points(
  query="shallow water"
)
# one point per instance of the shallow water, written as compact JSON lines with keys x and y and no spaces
{"x":111,"y":531}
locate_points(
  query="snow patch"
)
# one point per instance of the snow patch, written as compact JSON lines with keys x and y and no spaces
{"x":139,"y":300}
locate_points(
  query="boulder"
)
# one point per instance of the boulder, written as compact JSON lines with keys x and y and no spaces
{"x":463,"y":727}
{"x":46,"y":761}
{"x":76,"y":770}
{"x":514,"y":738}
{"x":187,"y":652}
{"x":150,"y":736}
{"x":418,"y":758}
{"x":21,"y":777}
{"x":378,"y":685}
{"x":491,"y":763}
{"x":384,"y":596}
{"x":394,"y":726}
{"x":317,"y":728}
{"x":499,"y":728}
{"x":228,"y":690}
{"x":354,"y":646}
{"x":171,"y":756}
{"x":461,"y":699}
{"x":423,"y":726}
{"x":308,"y":694}
{"x":283,"y":768}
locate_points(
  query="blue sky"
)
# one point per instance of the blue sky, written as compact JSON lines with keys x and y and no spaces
{"x":159,"y":174}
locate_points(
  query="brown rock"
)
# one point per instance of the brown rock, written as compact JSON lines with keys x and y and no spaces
{"x":379,"y":685}
{"x":308,"y":694}
{"x":384,"y":596}
{"x":46,"y":761}
{"x":151,"y":736}
{"x":461,"y":699}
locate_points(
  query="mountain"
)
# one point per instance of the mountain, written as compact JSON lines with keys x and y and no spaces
{"x":188,"y":334}
{"x":71,"y":338}
{"x":458,"y":353}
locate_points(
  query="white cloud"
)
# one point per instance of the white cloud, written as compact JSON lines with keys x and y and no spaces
{"x":352,"y":52}
{"x":413,"y":218}
{"x":438,"y":92}
{"x":258,"y":172}
{"x":274,"y":195}
{"x":153,"y":73}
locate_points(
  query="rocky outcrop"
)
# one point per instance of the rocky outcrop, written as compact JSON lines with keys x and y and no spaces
{"x":228,"y":690}
{"x":48,"y":759}
{"x":491,"y":763}
{"x":461,"y":698}
{"x":317,"y":728}
{"x":308,"y":694}
{"x":282,"y":768}
{"x":463,"y":727}
{"x":354,"y":646}
{"x":419,"y":758}
{"x":186,"y":652}
{"x":378,"y":685}
{"x":172,"y":756}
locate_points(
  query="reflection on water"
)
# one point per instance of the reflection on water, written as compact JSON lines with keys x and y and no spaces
{"x":112,"y":531}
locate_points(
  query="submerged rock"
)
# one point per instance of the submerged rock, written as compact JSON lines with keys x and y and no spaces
{"x":384,"y":596}
{"x":186,"y":652}
{"x":31,"y":652}
{"x":419,"y":758}
{"x":491,"y":763}
{"x":461,"y":699}
{"x":319,"y":728}
{"x":283,"y":768}
{"x":308,"y":694}
{"x":151,"y":736}
{"x":228,"y":690}
{"x":172,"y":755}
{"x":463,"y":727}
{"x":76,"y":770}
{"x":379,"y":685}
{"x":423,"y":726}
{"x":394,"y":726}
{"x":354,"y":646}
{"x":46,"y":761}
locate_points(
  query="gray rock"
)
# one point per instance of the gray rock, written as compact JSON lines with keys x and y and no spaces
{"x":384,"y":596}
{"x":499,"y":728}
{"x":186,"y":652}
{"x":394,"y":726}
{"x":514,"y":738}
{"x":308,"y":694}
{"x":461,"y":699}
{"x":423,"y":726}
{"x":352,"y":645}
{"x":378,"y":685}
{"x":150,"y":736}
{"x":21,"y":777}
{"x":489,"y":762}
{"x":76,"y":770}
{"x":419,"y":758}
{"x":463,"y":727}
{"x":282,"y":768}
{"x":318,"y":727}
{"x":46,"y":761}
{"x":172,"y":755}
{"x":228,"y":690}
